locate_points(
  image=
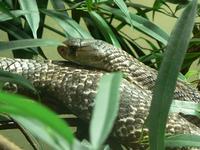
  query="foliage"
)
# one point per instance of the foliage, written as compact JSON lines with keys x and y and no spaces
{"x":24,"y":23}
{"x":167,"y":76}
{"x":44,"y":124}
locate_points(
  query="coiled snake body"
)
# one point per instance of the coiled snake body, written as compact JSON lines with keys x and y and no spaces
{"x":76,"y":87}
{"x":99,"y":54}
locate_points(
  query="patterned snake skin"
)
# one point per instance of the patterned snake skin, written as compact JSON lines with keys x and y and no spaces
{"x":99,"y":54}
{"x":76,"y":87}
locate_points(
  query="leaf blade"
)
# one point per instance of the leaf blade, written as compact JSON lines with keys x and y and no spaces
{"x":21,"y":107}
{"x":106,"y":108}
{"x":33,"y":18}
{"x":71,"y":28}
{"x":15,"y":13}
{"x":168,"y":73}
{"x":141,"y":24}
{"x":185,"y":140}
{"x":104,"y":28}
{"x":122,"y":6}
{"x":18,"y":44}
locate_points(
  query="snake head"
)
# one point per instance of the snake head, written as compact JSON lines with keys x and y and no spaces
{"x":83,"y":51}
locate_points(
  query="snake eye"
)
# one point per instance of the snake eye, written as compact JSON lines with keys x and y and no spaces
{"x":72,"y":50}
{"x":61,"y":49}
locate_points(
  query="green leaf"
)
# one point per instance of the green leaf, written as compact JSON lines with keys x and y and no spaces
{"x":122,"y":6}
{"x":149,"y":28}
{"x":43,"y":4}
{"x":5,"y":10}
{"x":89,"y":4}
{"x":54,"y":30}
{"x":186,"y":140}
{"x":18,"y":44}
{"x":104,"y":28}
{"x":168,"y":73}
{"x":106,"y":108}
{"x":185,"y":107}
{"x":83,"y":145}
{"x":15,"y":13}
{"x":19,"y":34}
{"x":71,"y":28}
{"x":39,"y":120}
{"x":157,"y":4}
{"x":58,"y":5}
{"x":182,"y":77}
{"x":9,"y":77}
{"x":191,"y":73}
{"x":141,"y":24}
{"x":183,"y":2}
{"x":33,"y":18}
{"x":195,"y":41}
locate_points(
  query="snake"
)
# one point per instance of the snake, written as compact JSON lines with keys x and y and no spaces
{"x":76,"y":86}
{"x":102,"y":55}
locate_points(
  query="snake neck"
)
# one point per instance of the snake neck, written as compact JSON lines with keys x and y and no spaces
{"x":142,"y":75}
{"x":134,"y":71}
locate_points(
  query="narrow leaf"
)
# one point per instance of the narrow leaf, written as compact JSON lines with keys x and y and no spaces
{"x":58,"y":5}
{"x":89,"y":4}
{"x":185,"y":140}
{"x":20,"y":44}
{"x":71,"y":28}
{"x":104,"y":29}
{"x":33,"y":18}
{"x":27,"y":112}
{"x":141,"y":24}
{"x":5,"y":10}
{"x":185,"y":107}
{"x":157,"y":4}
{"x":106,"y":108}
{"x":121,"y":4}
{"x":168,"y":73}
{"x":19,"y":34}
{"x":15,"y":13}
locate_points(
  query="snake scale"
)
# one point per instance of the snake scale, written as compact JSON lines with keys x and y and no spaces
{"x":76,"y":86}
{"x":102,"y":55}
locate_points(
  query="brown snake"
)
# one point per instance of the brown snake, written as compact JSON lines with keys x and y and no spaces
{"x":99,"y":54}
{"x":76,"y":86}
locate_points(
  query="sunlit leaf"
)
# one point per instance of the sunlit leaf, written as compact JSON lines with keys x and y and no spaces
{"x":191,"y":73}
